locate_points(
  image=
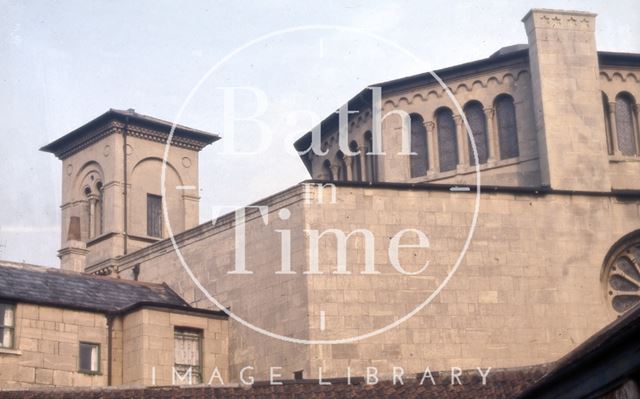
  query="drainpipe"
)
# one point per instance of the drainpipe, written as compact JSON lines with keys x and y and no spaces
{"x":124,"y":151}
{"x":110,"y":318}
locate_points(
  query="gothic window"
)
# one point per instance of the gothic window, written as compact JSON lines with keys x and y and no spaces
{"x":623,"y":275}
{"x":474,"y":113}
{"x":371,"y":160}
{"x":89,"y":358}
{"x":418,"y":146}
{"x":607,"y":122}
{"x":625,"y":125}
{"x":7,"y":325}
{"x":447,"y":142}
{"x":356,"y":171}
{"x":188,"y":354}
{"x":154,"y":215}
{"x":507,"y":127}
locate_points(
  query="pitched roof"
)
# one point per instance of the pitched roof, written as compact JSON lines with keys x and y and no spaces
{"x":182,"y":135}
{"x":58,"y":288}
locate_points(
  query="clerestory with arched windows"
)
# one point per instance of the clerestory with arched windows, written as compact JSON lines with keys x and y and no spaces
{"x":439,"y":144}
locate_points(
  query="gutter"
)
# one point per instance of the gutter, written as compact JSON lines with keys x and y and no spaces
{"x":110,"y":319}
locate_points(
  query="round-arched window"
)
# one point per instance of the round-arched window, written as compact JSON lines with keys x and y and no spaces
{"x":622,"y":275}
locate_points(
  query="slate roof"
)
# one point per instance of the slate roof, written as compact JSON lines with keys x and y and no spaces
{"x":84,"y":132}
{"x":54,"y":287}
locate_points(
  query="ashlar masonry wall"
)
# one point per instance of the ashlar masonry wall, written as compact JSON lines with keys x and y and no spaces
{"x":47,"y":348}
{"x":527,"y":291}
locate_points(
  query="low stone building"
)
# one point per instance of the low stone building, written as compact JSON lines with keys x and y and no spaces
{"x":61,"y":328}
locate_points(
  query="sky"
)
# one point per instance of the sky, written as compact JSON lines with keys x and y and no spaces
{"x":289,"y":63}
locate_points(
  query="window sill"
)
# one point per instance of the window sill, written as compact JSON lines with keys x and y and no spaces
{"x":470,"y":169}
{"x":623,"y":158}
{"x":7,"y":351}
{"x":145,"y":238}
{"x":86,"y":372}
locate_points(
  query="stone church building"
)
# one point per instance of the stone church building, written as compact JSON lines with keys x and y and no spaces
{"x":550,"y":257}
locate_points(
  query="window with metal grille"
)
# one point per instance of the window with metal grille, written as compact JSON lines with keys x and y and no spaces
{"x":447,"y":141}
{"x":188,"y":354}
{"x":625,"y":125}
{"x":7,"y":325}
{"x":478,"y":124}
{"x":507,"y":129}
{"x":89,"y":359}
{"x":419,"y":158}
{"x":154,"y":215}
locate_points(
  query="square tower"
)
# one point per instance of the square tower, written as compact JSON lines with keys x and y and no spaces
{"x":111,"y":185}
{"x":567,"y":100}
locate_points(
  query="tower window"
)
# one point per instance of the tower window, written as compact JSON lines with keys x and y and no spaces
{"x":154,"y":215}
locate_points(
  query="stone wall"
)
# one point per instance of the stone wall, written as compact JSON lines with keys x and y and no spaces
{"x":148,"y":336}
{"x":527,"y":291}
{"x":47,"y":348}
{"x":276,"y":302}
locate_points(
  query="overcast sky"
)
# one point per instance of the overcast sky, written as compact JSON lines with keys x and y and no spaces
{"x":65,"y":62}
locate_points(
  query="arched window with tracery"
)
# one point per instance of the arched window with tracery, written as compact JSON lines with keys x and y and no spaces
{"x":447,"y":141}
{"x":478,"y":124}
{"x":419,"y":161}
{"x":356,"y":171}
{"x":622,"y":274}
{"x":507,"y":126}
{"x":625,"y":125}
